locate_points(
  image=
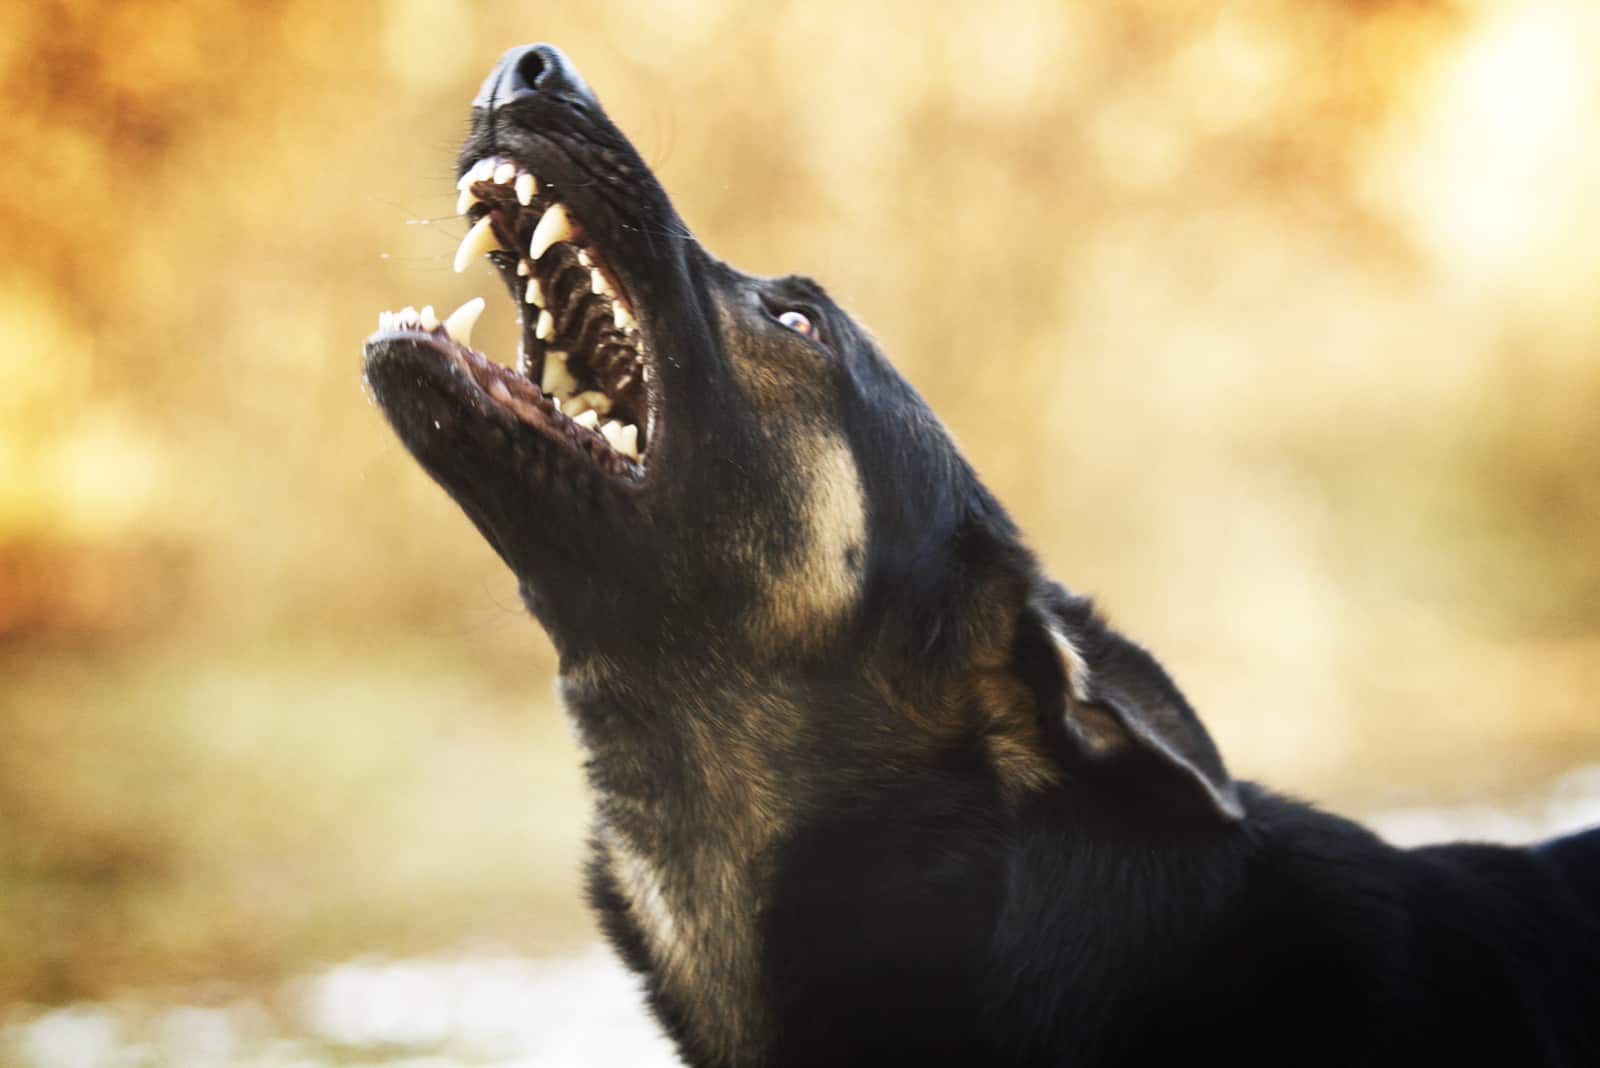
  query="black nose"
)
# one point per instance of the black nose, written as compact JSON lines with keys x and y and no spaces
{"x":529,"y":71}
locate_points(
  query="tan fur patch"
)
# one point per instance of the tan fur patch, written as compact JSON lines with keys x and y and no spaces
{"x":1073,"y":663}
{"x":789,"y":385}
{"x":641,"y":886}
{"x":814,"y":588}
{"x":695,"y":886}
{"x":1011,"y":734}
{"x":1099,"y":731}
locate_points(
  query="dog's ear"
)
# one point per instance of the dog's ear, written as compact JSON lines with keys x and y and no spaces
{"x":1109,"y":696}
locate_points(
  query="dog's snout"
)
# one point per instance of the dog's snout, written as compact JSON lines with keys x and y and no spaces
{"x":528,"y":71}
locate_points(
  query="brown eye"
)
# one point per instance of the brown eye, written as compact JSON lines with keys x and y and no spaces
{"x":797,"y":322}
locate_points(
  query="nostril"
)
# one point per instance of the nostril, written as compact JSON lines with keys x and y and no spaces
{"x":531,"y":67}
{"x":529,"y":70}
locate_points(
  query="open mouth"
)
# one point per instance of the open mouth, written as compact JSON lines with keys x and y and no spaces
{"x":583,"y":373}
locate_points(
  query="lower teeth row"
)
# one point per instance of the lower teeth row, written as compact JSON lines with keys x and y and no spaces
{"x":458,"y":324}
{"x":583,"y":408}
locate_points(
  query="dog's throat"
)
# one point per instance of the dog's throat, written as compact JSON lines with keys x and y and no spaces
{"x":691,"y":872}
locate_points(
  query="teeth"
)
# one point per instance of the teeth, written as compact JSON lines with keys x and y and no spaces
{"x":556,"y":381}
{"x":479,"y":239}
{"x":524,"y":268}
{"x":408,"y":316}
{"x":465,"y":200}
{"x":535,"y":293}
{"x":505,"y":172}
{"x":527,"y":188}
{"x":462,"y":320}
{"x":584,"y":257}
{"x":429,"y":320}
{"x":598,"y":283}
{"x":611,"y":431}
{"x":386,"y":320}
{"x":554,"y":226}
{"x":478,"y":172}
{"x":588,"y":400}
{"x":590,"y":419}
{"x":627,"y":441}
{"x":621,"y":316}
{"x":546,"y":327}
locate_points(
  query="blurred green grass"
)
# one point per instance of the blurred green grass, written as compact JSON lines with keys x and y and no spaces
{"x":184,"y":814}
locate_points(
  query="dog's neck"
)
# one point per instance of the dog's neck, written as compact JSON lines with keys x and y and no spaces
{"x":689,"y":806}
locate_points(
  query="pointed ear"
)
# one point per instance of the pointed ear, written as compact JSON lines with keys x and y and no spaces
{"x":1116,"y":696}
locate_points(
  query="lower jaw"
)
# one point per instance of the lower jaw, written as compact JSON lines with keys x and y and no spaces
{"x":607,"y":447}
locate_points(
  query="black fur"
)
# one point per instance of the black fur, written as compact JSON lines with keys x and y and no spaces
{"x":871,"y":790}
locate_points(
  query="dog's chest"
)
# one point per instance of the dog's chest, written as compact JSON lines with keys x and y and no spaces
{"x":694,"y":913}
{"x":689,"y":808}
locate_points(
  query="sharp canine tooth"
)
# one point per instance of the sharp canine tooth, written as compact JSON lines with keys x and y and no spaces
{"x":590,"y":419}
{"x":479,"y":239}
{"x":621,"y":316}
{"x":505,"y":172}
{"x":465,"y":201}
{"x":527,"y":188}
{"x":429,"y":320}
{"x":546,"y":327}
{"x":535,"y":293}
{"x":462,"y":320}
{"x":475,"y":173}
{"x":627,"y":441}
{"x":523,"y":268}
{"x":556,"y":380}
{"x":554,"y":226}
{"x":598,"y":283}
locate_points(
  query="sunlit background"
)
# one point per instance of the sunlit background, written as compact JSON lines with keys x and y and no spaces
{"x":1275,"y":322}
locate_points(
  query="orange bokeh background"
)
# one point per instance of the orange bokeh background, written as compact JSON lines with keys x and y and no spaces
{"x":1274,"y":322}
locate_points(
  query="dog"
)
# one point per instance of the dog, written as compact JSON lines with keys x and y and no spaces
{"x":871,"y":788}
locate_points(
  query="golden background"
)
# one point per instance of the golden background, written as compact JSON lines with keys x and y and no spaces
{"x":1276,"y":323}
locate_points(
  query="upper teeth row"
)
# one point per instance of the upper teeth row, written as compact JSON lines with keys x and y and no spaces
{"x":500,"y":171}
{"x":554,"y":227}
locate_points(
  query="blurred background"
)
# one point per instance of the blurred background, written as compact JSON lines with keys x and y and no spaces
{"x":1273,"y":321}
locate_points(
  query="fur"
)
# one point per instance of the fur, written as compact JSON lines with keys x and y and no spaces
{"x":870,"y":788}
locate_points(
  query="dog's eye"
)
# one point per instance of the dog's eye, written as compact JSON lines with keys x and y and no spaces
{"x":798,"y":322}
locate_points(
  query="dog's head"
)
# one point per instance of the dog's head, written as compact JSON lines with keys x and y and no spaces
{"x":689,"y":464}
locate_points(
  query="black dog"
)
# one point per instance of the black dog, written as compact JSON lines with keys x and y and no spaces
{"x":872,"y":790}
